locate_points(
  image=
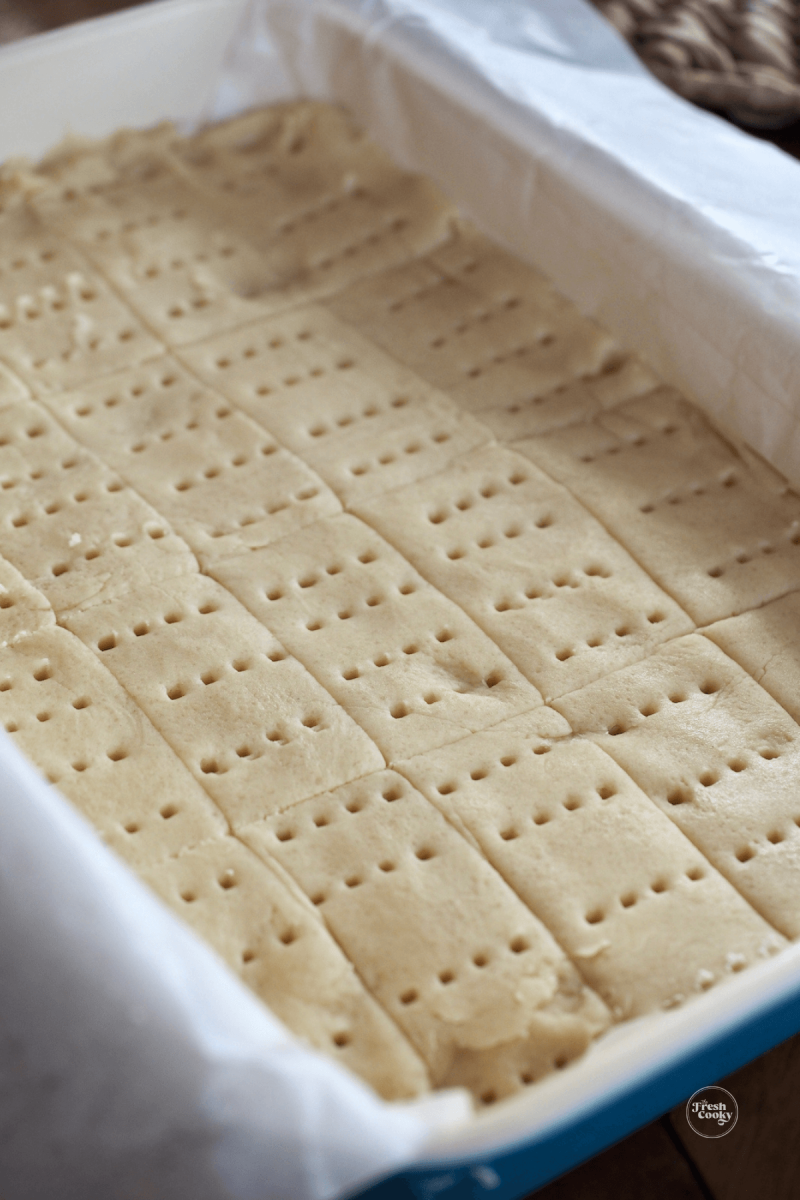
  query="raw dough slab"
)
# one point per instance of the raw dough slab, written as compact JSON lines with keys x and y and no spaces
{"x":381,"y":864}
{"x":272,"y":938}
{"x":487,"y":328}
{"x":401,"y":659}
{"x":609,"y":875}
{"x":60,"y":322}
{"x":766,"y":642}
{"x":23,"y":608}
{"x":68,"y":523}
{"x":717,"y":754}
{"x":531,"y":566}
{"x":217,"y":476}
{"x":86,"y":735}
{"x":256,"y":730}
{"x":709,"y":525}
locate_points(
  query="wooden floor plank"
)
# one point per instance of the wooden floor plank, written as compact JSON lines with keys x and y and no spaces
{"x":761,"y":1155}
{"x":646,"y":1166}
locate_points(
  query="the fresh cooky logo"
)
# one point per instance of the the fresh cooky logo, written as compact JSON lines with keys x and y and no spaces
{"x":712,"y":1112}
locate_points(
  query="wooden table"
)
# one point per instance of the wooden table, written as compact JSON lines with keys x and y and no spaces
{"x":665,"y":1160}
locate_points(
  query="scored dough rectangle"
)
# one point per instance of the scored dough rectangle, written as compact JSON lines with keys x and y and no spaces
{"x":473,"y":320}
{"x":83,"y":731}
{"x":256,"y":730}
{"x":68,"y":523}
{"x":404,"y":661}
{"x":707,"y":524}
{"x":321,"y":202}
{"x":717,"y":754}
{"x":220,"y":478}
{"x":381,"y":863}
{"x":60,"y":322}
{"x":612,"y":878}
{"x":272,"y":938}
{"x":530,"y":565}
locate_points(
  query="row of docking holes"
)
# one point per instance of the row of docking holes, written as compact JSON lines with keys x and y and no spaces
{"x":219,"y":765}
{"x":139,"y":389}
{"x":621,"y":631}
{"x":791,"y":535}
{"x":390,"y":795}
{"x":389,"y":456}
{"x":48,"y":255}
{"x":314,"y":624}
{"x":253,"y":516}
{"x":634,"y":442}
{"x":486,"y":492}
{"x":477,"y":318}
{"x":542,"y":342}
{"x":214,"y":674}
{"x":154,"y":270}
{"x":571,"y":579}
{"x":405,"y":709}
{"x":322,"y":208}
{"x":489,"y":540}
{"x":391,"y":225}
{"x":122,"y":541}
{"x":215,"y":469}
{"x":477,"y":774}
{"x":277,"y":342}
{"x":385,"y":660}
{"x":319,"y":429}
{"x":683,"y":794}
{"x":110,"y":640}
{"x":649,"y":708}
{"x":106,"y":232}
{"x":27,"y":309}
{"x":77,"y":348}
{"x":674,"y":498}
{"x":400,"y":302}
{"x":613,"y":367}
{"x":276,"y":593}
{"x":596,"y":915}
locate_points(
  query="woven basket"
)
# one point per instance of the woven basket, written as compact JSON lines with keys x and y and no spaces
{"x":740,"y":57}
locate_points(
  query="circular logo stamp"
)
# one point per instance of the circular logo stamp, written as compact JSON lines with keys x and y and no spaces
{"x":712,"y":1112}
